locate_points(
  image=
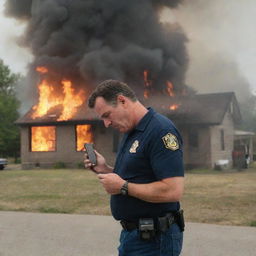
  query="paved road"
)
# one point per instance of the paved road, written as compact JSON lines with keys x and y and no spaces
{"x":35,"y":234}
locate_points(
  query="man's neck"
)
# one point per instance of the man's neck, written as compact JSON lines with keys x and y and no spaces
{"x":139,"y":111}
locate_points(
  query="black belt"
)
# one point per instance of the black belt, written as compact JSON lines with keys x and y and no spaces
{"x":161,"y":223}
{"x":129,"y":226}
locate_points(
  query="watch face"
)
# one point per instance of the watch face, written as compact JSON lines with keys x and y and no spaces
{"x":124,"y":189}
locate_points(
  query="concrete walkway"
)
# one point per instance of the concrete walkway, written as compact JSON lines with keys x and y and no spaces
{"x":35,"y":234}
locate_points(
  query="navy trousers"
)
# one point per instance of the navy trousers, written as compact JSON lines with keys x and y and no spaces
{"x":168,"y":243}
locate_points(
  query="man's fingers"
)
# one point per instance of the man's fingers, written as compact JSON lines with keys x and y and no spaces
{"x":101,"y":176}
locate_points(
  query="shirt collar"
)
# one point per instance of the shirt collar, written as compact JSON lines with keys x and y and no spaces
{"x":145,"y":120}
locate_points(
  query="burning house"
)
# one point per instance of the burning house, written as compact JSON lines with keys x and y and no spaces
{"x":77,"y":44}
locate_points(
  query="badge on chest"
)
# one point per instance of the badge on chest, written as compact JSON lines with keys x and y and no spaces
{"x":133,"y":148}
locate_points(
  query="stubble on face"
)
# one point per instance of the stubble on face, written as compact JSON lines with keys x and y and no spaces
{"x":114,"y":116}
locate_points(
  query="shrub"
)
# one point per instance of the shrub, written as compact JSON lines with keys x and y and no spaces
{"x":59,"y":165}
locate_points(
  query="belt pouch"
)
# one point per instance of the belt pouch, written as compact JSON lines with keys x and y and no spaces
{"x":146,"y":229}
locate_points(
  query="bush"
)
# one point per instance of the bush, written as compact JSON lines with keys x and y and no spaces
{"x":253,"y":224}
{"x":59,"y":165}
{"x":80,"y":165}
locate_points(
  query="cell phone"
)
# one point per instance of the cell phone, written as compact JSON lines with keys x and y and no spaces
{"x":90,"y":152}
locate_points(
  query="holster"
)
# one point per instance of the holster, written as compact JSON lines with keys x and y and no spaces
{"x":170,"y":218}
{"x":180,"y":220}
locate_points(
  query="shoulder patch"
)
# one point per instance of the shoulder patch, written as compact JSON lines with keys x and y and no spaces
{"x":171,"y":141}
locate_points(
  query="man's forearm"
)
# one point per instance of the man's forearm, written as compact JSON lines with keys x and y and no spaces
{"x":167,"y":190}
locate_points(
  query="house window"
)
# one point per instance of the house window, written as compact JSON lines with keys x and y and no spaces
{"x":43,"y":138}
{"x":193,"y":138}
{"x":222,"y":140}
{"x":83,"y":135}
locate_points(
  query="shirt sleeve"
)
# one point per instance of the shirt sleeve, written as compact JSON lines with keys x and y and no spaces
{"x":166,"y":155}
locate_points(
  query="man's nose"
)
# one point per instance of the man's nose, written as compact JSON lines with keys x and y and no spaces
{"x":107,"y":123}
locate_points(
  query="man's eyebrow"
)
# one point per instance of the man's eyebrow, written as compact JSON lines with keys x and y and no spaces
{"x":106,"y":114}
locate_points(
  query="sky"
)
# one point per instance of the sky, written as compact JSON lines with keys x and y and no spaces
{"x":221,"y":46}
{"x":14,"y":56}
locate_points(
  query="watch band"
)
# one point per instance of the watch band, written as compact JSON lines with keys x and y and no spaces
{"x":124,"y":189}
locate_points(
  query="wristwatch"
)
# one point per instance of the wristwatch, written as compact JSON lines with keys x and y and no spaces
{"x":124,"y":189}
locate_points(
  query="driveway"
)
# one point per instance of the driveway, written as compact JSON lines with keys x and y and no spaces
{"x":36,"y":234}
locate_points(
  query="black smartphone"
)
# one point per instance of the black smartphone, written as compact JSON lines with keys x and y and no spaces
{"x":90,"y":152}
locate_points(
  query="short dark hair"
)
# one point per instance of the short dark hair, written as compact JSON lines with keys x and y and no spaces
{"x":109,"y":90}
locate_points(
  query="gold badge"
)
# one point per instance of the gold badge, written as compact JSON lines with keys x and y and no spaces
{"x":170,"y":141}
{"x":134,"y":146}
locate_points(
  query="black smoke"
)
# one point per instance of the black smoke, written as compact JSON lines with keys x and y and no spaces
{"x":92,"y":40}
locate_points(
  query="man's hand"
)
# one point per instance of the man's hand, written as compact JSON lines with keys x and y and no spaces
{"x":111,"y":182}
{"x":100,"y":167}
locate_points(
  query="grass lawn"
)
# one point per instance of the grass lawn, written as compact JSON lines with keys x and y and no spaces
{"x":210,"y":196}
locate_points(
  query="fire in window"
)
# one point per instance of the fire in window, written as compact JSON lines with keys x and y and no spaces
{"x":43,"y":138}
{"x":83,"y":135}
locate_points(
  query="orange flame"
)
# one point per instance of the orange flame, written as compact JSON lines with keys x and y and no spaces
{"x":43,"y":138}
{"x":71,"y":101}
{"x":46,"y":100}
{"x":50,"y":98}
{"x":174,"y":106}
{"x":84,"y":135}
{"x":170,"y":88}
{"x":147,"y":83}
{"x":42,"y":70}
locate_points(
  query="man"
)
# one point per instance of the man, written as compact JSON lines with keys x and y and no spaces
{"x":147,"y":181}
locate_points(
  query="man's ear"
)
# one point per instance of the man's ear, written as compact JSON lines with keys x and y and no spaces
{"x":121,"y":99}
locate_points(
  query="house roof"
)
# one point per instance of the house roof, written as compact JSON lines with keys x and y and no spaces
{"x":208,"y":109}
{"x":83,"y":115}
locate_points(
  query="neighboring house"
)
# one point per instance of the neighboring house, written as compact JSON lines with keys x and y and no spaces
{"x":207,"y":123}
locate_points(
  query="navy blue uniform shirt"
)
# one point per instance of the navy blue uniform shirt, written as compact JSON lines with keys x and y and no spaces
{"x":152,"y":151}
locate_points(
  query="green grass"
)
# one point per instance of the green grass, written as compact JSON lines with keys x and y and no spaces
{"x":210,"y":196}
{"x":56,"y":191}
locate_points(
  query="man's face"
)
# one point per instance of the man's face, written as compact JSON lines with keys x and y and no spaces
{"x":116,"y":116}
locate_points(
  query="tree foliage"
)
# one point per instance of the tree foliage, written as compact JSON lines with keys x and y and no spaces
{"x":9,"y":104}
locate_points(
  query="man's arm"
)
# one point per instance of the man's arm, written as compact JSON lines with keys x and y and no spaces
{"x":166,"y":190}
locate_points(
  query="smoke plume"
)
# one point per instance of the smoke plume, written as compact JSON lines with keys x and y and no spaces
{"x":221,"y":36}
{"x":88,"y":41}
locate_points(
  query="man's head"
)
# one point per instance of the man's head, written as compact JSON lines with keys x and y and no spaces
{"x":115,"y":102}
{"x":109,"y":90}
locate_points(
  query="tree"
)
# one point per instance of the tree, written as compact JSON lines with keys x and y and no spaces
{"x":9,"y":104}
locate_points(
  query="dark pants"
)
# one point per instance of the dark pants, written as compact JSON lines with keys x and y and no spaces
{"x":168,"y":243}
